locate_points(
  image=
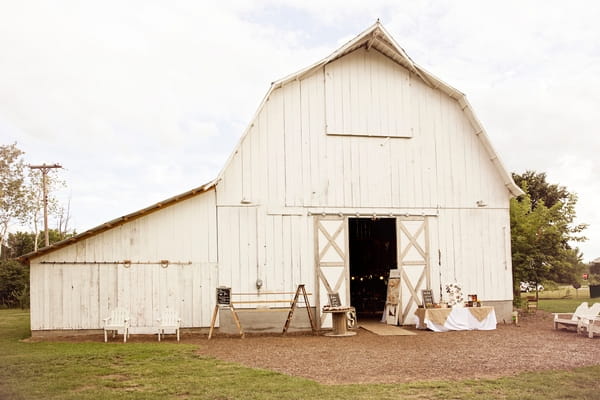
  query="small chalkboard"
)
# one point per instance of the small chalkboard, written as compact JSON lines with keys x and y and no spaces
{"x":334,"y":300}
{"x":223,"y":296}
{"x":427,"y":297}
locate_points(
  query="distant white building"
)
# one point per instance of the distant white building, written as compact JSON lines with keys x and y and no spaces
{"x":360,"y":163}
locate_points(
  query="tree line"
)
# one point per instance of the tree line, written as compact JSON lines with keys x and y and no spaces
{"x":21,"y":205}
{"x":543,"y":231}
{"x":22,"y":197}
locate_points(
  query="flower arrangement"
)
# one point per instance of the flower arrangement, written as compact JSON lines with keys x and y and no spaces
{"x":455,"y":295}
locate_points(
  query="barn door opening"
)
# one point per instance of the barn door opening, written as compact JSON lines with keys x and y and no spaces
{"x":372,"y":245}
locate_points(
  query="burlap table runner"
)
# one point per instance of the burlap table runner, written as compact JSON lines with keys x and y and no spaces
{"x":437,"y":315}
{"x":480,"y":313}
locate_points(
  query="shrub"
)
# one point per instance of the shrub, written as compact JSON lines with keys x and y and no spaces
{"x":14,"y":284}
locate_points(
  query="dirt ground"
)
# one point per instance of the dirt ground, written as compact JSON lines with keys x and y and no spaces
{"x":533,"y":345}
{"x":369,"y":358}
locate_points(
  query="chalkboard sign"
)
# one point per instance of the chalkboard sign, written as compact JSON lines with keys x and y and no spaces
{"x":427,"y":298}
{"x":334,"y":300}
{"x":223,"y":296}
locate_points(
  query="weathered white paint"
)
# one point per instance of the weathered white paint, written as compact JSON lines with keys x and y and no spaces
{"x":80,"y":295}
{"x":361,"y":132}
{"x":365,"y":92}
{"x":332,"y":263}
{"x":443,"y":166}
{"x":274,"y":248}
{"x":290,"y":163}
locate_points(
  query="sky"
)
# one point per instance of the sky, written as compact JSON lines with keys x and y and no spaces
{"x":142,"y":100}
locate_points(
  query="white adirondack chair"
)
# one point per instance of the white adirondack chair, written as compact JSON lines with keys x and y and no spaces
{"x":169,"y":322}
{"x":574,"y":319}
{"x":590,"y":321}
{"x":118,"y":320}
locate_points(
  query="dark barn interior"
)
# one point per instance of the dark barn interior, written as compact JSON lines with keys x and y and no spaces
{"x":372,"y":254}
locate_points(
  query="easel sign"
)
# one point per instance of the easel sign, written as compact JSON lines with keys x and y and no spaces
{"x":427,"y":298}
{"x":223,"y":296}
{"x":224,"y":303}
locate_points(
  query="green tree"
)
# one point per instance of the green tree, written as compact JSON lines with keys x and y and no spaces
{"x":541,"y":233}
{"x":13,"y":201}
{"x":540,"y":190}
{"x":594,"y":268}
{"x":21,"y":196}
{"x":20,"y":243}
{"x":14,"y":284}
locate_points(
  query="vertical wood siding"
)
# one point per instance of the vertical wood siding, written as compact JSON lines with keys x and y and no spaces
{"x":302,"y":152}
{"x":278,"y":249}
{"x":287,"y":160}
{"x":368,"y":95}
{"x":475,"y":251}
{"x":78,"y":296}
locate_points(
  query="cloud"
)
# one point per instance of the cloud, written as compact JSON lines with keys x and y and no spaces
{"x":142,"y":100}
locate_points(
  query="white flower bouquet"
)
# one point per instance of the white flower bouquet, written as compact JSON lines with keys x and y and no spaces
{"x":455,"y":295}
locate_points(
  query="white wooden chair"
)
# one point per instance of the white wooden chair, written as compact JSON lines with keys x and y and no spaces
{"x":589,"y":324}
{"x":169,"y":322}
{"x":574,"y":319}
{"x":118,"y":320}
{"x":590,"y":321}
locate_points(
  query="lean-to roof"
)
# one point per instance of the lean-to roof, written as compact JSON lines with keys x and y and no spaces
{"x":119,"y":221}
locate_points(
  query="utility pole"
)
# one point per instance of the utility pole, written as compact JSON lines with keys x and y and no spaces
{"x":45,"y":168}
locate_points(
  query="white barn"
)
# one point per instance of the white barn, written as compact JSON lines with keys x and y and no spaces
{"x":358,"y":164}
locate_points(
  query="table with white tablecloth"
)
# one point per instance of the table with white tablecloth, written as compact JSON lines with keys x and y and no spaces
{"x":456,"y":319}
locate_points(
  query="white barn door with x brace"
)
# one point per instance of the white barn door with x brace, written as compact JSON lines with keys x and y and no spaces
{"x":413,"y":261}
{"x":331,"y":261}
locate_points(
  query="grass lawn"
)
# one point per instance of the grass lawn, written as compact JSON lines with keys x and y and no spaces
{"x":562,"y":305}
{"x":51,"y":370}
{"x":563,"y":291}
{"x":562,"y":299}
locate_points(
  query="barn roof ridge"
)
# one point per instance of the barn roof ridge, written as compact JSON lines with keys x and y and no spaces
{"x":378,"y":37}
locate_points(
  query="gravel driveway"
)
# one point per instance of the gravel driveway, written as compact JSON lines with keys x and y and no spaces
{"x":369,"y":358}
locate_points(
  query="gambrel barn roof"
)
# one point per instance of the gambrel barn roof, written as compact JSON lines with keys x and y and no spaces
{"x":375,"y":37}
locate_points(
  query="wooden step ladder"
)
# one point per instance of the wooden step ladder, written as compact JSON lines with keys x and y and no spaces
{"x":302,"y":290}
